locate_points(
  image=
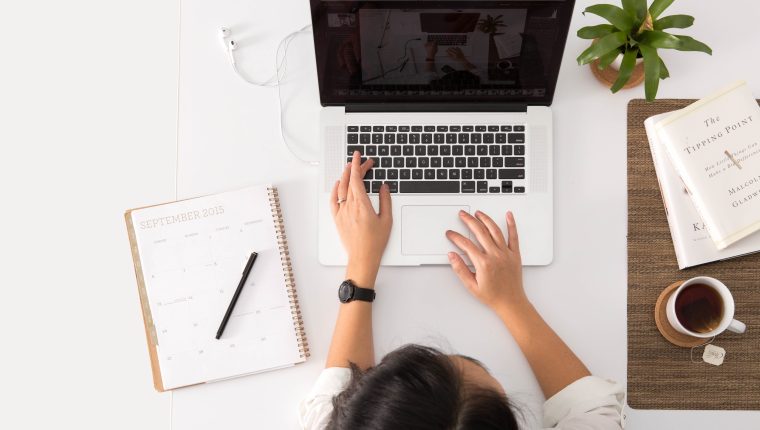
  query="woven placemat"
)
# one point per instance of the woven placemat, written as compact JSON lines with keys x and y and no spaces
{"x":660,"y":374}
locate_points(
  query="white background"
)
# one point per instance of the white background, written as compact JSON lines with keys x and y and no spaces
{"x":89,"y":127}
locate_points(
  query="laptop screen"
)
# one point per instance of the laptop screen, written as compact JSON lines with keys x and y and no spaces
{"x":439,"y":51}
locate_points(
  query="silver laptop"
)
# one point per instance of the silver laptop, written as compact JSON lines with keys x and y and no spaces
{"x":447,"y":131}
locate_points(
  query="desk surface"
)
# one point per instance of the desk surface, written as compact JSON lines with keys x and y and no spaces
{"x":228,"y":137}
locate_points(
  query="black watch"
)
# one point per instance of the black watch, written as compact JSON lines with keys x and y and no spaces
{"x":348,"y":292}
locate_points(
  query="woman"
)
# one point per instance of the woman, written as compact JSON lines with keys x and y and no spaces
{"x":416,"y":387}
{"x":467,"y":76}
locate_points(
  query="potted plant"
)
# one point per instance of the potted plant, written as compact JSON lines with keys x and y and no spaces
{"x":635,"y":33}
{"x":490,"y":25}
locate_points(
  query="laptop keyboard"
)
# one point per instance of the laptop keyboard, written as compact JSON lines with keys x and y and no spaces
{"x":448,"y":39}
{"x":453,"y":159}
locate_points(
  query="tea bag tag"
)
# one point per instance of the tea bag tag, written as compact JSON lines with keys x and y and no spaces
{"x":714,"y":355}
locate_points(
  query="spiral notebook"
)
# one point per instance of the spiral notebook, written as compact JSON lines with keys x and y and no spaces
{"x":189,"y":256}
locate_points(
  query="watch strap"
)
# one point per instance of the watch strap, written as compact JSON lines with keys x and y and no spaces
{"x":364,"y":294}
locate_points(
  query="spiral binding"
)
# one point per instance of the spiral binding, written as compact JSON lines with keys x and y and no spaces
{"x":287,"y":269}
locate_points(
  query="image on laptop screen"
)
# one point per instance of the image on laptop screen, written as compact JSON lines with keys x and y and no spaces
{"x":426,"y":51}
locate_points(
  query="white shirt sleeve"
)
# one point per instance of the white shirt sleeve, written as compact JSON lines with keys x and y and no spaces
{"x":315,"y":410}
{"x":590,"y":403}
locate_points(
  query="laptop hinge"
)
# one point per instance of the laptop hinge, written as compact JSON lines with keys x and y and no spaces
{"x":436,"y":107}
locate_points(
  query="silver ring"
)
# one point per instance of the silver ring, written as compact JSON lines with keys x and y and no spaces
{"x":341,"y":201}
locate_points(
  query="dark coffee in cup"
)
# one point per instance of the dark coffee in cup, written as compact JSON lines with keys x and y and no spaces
{"x":699,"y":308}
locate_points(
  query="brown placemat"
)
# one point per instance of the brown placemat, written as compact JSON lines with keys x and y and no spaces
{"x":661,"y":375}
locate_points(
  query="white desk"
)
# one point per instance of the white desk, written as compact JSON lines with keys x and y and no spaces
{"x":228,"y":137}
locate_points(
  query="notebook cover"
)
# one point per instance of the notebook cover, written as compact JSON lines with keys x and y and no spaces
{"x":295,"y":309}
{"x":150,"y":330}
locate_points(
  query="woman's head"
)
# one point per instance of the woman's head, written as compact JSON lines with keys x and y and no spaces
{"x":420,"y":388}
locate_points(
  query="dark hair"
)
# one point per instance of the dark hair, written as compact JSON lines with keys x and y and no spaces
{"x":418,"y":388}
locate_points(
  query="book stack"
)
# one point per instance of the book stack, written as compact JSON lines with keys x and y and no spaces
{"x":707,"y":159}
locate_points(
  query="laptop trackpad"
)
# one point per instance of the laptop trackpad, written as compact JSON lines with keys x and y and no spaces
{"x":423,"y":229}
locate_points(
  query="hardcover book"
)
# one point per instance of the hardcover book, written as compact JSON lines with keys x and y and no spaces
{"x":714,"y":145}
{"x":691,"y":240}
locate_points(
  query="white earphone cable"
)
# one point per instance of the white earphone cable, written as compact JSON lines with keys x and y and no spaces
{"x":275,"y":81}
{"x":281,"y":68}
{"x":271,"y":82}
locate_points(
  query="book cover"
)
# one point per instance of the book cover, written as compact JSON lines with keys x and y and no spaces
{"x":714,"y":145}
{"x":691,"y":241}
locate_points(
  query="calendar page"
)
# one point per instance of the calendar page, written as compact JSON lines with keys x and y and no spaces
{"x":192,"y":254}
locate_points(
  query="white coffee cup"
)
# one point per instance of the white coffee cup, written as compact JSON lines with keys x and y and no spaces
{"x":727,"y":321}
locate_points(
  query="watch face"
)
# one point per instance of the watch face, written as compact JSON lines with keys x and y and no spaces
{"x":345,"y":292}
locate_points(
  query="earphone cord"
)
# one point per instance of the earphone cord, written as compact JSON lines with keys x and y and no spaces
{"x":276,"y":81}
{"x":271,"y":82}
{"x":282,"y":64}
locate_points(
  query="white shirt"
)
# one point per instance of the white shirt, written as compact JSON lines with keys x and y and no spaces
{"x":590,"y":403}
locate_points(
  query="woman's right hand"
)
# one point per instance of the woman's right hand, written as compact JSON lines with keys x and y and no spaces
{"x":497,"y":281}
{"x":364,"y":232}
{"x":431,"y":48}
{"x":456,"y":53}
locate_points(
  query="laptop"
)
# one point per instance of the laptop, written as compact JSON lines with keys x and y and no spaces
{"x":448,"y":130}
{"x":449,"y":29}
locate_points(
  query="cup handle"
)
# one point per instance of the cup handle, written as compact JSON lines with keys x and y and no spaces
{"x":737,"y":326}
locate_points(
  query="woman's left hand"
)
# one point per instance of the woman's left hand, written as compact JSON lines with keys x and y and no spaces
{"x":497,"y":281}
{"x":456,"y":54}
{"x":364,"y":232}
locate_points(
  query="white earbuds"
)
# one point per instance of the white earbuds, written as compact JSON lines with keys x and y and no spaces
{"x":229,"y":44}
{"x":225,"y":36}
{"x":224,"y":33}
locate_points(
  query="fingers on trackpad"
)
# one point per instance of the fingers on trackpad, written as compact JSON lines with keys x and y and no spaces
{"x":423,"y":229}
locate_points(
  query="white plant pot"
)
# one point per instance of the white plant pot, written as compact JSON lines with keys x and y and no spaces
{"x":619,"y":62}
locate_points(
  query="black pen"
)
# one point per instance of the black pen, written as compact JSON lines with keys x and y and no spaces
{"x":246,"y":272}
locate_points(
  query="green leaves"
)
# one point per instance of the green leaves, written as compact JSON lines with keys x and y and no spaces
{"x":661,"y":40}
{"x":615,"y":15}
{"x":595,"y":31}
{"x":674,"y":21}
{"x":651,"y":71}
{"x":637,"y":9}
{"x":602,"y":46}
{"x":607,"y":59}
{"x":626,"y":68}
{"x":691,"y":44}
{"x":664,"y":73}
{"x":637,"y":31}
{"x":659,"y":6}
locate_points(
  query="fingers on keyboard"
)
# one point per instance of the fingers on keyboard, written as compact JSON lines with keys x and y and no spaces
{"x":460,"y":158}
